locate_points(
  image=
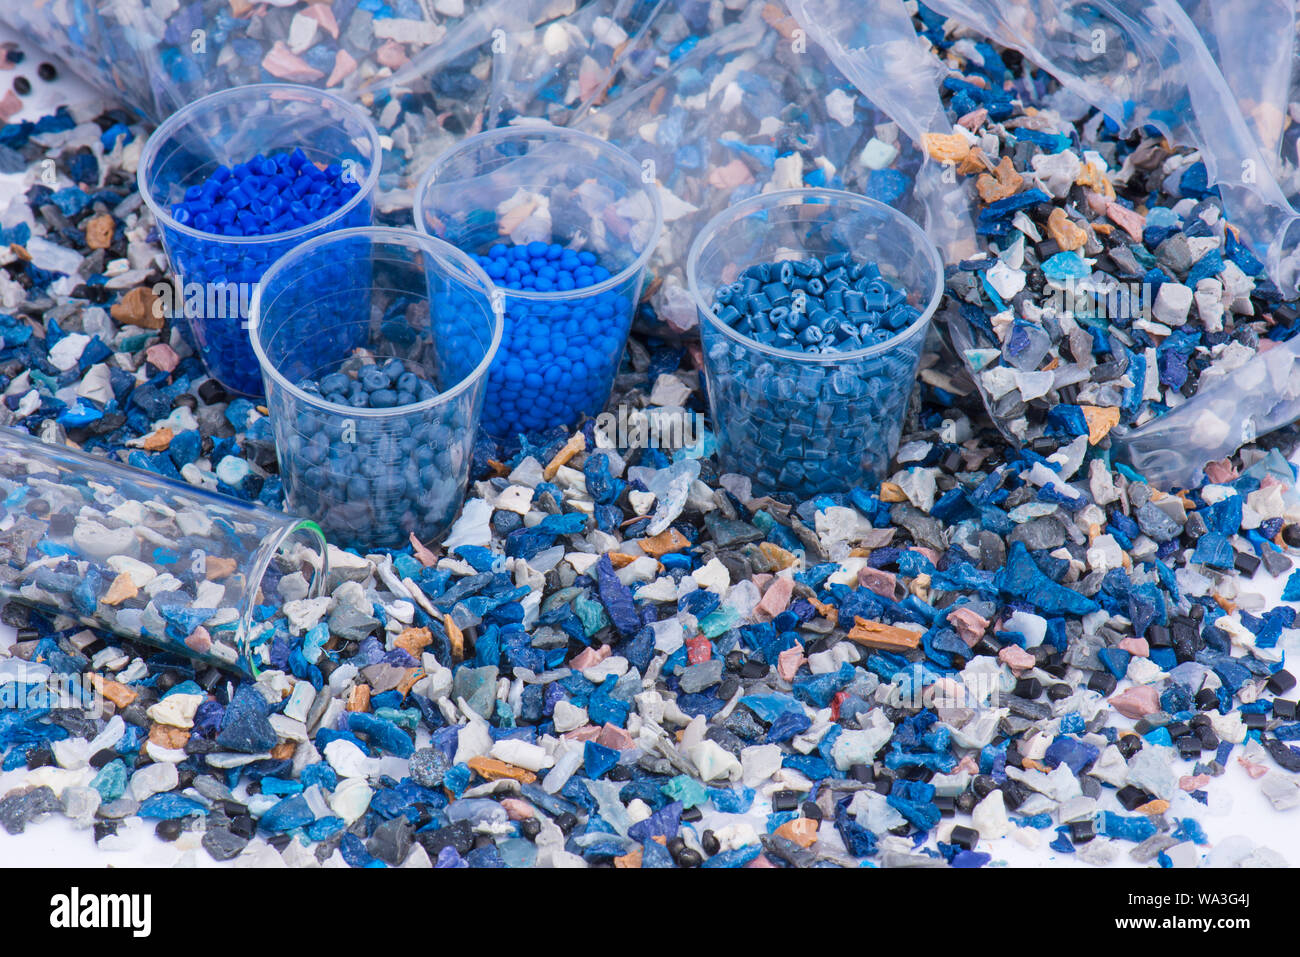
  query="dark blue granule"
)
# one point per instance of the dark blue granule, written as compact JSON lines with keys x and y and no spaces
{"x":639,"y":650}
{"x":1066,"y":421}
{"x":354,"y":852}
{"x":486,"y":856}
{"x":786,"y":725}
{"x":81,"y":166}
{"x":888,"y":185}
{"x":617,"y":598}
{"x":169,"y":806}
{"x":601,"y":485}
{"x":1075,"y":754}
{"x":699,"y":603}
{"x":1286,"y":756}
{"x":664,"y":822}
{"x":1062,"y":843}
{"x":602,"y":708}
{"x":1240,"y":253}
{"x":857,"y":839}
{"x":1176,"y":698}
{"x":291,"y":813}
{"x":381,"y":733}
{"x":94,"y":353}
{"x":1173,"y":367}
{"x":995,"y":219}
{"x":245,"y":726}
{"x":608,"y":517}
{"x":324,"y":828}
{"x":1189,"y":829}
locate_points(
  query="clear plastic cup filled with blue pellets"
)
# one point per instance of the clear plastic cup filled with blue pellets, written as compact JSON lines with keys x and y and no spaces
{"x":237,"y":179}
{"x":374,"y":345}
{"x":814,"y":306}
{"x":564,"y":224}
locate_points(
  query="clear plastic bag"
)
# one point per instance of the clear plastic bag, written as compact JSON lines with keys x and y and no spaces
{"x":734,"y":103}
{"x":1254,"y":49}
{"x":430,"y":71}
{"x":421,"y":67}
{"x":553,"y":68}
{"x":876,"y":47}
{"x":1145,"y":64}
{"x":82,"y":36}
{"x":158,"y":56}
{"x":440,"y":95}
{"x":1228,"y":412}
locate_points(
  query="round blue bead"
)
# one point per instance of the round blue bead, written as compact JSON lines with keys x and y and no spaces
{"x":372,"y":379}
{"x":334,"y":382}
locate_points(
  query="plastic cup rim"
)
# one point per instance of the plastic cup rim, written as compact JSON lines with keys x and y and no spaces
{"x":558,"y":133}
{"x":377,"y":233}
{"x":165,"y":130}
{"x":733,"y":214}
{"x":258,"y":574}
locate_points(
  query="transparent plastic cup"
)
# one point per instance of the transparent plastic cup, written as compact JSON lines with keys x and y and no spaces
{"x":543,"y":184}
{"x":348,"y":303}
{"x":103,"y":544}
{"x":214,"y":275}
{"x":798,"y":422}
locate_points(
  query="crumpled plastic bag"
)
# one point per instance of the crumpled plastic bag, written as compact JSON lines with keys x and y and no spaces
{"x":553,"y":70}
{"x":748,"y":101}
{"x":1228,"y":412}
{"x":159,"y":55}
{"x":429,"y":71}
{"x":1254,"y":47}
{"x":876,"y":47}
{"x":1145,"y":63}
